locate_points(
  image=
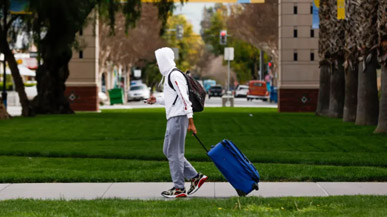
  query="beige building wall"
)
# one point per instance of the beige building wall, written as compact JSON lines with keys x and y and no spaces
{"x":298,"y":56}
{"x":82,"y":83}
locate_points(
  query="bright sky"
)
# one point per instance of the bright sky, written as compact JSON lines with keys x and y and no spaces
{"x":193,"y":12}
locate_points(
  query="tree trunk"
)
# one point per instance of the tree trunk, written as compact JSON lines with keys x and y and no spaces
{"x":367,"y":96}
{"x":350,"y":99}
{"x":382,"y":123}
{"x":337,"y":90}
{"x":52,"y":75}
{"x":19,"y":85}
{"x":323,"y":94}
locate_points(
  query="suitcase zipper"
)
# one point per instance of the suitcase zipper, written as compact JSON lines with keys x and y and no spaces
{"x":238,"y":154}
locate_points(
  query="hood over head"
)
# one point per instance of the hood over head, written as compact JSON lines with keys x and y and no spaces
{"x":165,"y":60}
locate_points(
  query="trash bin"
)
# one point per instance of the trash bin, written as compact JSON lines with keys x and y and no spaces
{"x":274,"y":94}
{"x":116,"y":96}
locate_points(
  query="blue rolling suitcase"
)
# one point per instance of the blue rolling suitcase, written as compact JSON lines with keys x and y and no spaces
{"x":234,"y":166}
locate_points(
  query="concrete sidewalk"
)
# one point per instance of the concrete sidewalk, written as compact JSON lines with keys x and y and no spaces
{"x":146,"y":191}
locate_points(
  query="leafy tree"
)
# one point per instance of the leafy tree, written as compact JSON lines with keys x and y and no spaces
{"x":382,"y":51}
{"x":119,"y":49}
{"x":246,"y":56}
{"x":5,"y":47}
{"x":60,"y":20}
{"x":190,"y":45}
{"x":217,"y":21}
{"x":257,"y":24}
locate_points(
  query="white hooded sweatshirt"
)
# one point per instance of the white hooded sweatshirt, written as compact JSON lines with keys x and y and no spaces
{"x":165,"y":60}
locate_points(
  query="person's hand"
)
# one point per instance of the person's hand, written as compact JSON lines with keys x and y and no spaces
{"x":151,"y":100}
{"x":191,"y":126}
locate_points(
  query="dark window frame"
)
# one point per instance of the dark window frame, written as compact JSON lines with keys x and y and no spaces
{"x":295,"y":9}
{"x":295,"y":33}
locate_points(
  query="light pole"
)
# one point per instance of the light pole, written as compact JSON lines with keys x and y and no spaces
{"x":229,"y":56}
{"x":260,"y":64}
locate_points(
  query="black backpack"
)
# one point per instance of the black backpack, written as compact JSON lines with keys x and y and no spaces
{"x":196,"y":92}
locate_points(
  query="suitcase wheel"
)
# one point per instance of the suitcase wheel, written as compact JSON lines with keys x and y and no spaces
{"x":241,"y":193}
{"x":256,"y":186}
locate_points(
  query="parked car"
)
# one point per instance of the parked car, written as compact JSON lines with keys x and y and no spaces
{"x":257,"y":90}
{"x":241,"y":91}
{"x":103,"y":99}
{"x":138,"y":92}
{"x":215,"y":90}
{"x":208,"y":83}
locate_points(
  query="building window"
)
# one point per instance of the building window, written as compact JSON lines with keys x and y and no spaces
{"x":295,"y":56}
{"x":311,"y":56}
{"x":311,"y":9}
{"x":81,"y":54}
{"x":312,"y":33}
{"x":81,"y":31}
{"x":295,"y":33}
{"x":295,"y":9}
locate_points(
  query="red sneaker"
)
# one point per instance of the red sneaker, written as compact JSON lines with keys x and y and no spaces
{"x":174,"y":193}
{"x":196,"y":183}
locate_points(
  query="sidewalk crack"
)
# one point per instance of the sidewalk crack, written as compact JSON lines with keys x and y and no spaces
{"x":103,"y":195}
{"x":214,"y":190}
{"x":1,"y":190}
{"x":325,"y":192}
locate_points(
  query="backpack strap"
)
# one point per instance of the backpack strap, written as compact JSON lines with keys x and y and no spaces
{"x":169,"y":78}
{"x":170,"y":83}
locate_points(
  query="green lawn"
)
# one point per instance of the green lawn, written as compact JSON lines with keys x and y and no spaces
{"x":353,"y":206}
{"x":114,"y":144}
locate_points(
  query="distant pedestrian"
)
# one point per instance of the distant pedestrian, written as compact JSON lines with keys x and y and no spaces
{"x":179,"y":119}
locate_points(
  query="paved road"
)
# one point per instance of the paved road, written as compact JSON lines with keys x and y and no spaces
{"x":212,"y":102}
{"x":146,"y":191}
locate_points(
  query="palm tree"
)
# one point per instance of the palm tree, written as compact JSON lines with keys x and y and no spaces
{"x":366,"y":39}
{"x":325,"y":64}
{"x":337,"y":41}
{"x":351,"y":64}
{"x":382,"y":49}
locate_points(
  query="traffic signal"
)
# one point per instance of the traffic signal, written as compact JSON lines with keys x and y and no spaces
{"x":223,"y":37}
{"x":179,"y":32}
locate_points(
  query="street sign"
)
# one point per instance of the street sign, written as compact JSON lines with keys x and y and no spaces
{"x":340,"y":9}
{"x":137,"y":73}
{"x":229,"y":53}
{"x":176,"y":52}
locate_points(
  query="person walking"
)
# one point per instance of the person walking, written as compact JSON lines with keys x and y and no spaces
{"x":179,"y":116}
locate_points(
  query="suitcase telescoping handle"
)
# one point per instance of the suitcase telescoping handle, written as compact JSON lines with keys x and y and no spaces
{"x":200,"y":142}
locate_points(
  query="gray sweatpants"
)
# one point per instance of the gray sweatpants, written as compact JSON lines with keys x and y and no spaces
{"x":174,"y":145}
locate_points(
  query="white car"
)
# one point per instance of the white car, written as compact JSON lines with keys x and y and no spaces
{"x":241,"y":91}
{"x":138,"y":92}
